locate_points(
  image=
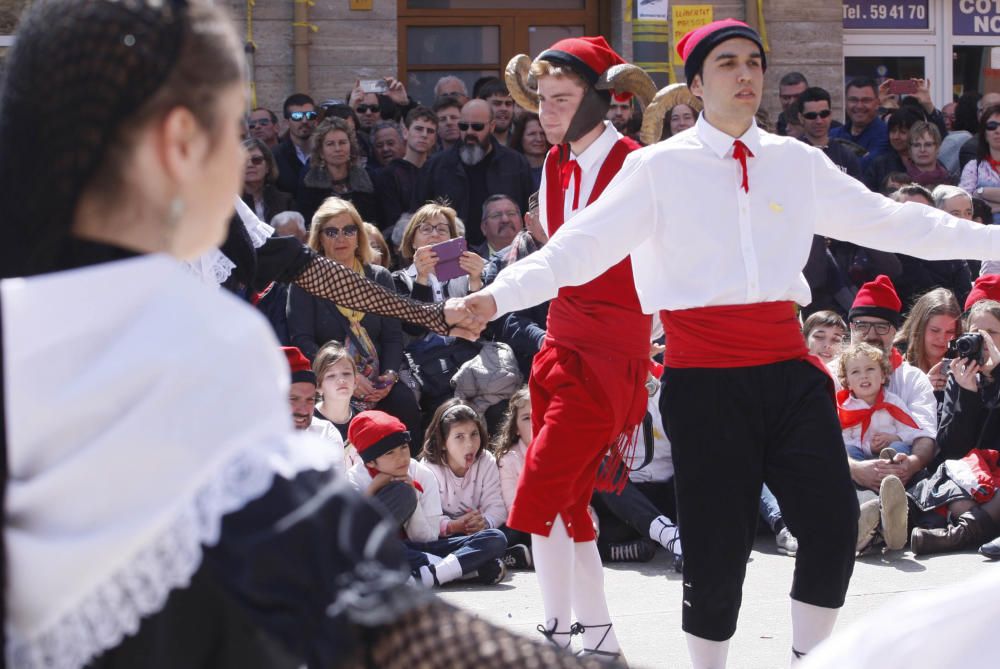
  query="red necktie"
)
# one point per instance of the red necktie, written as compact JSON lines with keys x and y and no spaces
{"x":571,"y":169}
{"x":852,"y":417}
{"x":741,"y":153}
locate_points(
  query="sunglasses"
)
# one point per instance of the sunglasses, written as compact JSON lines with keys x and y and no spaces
{"x":262,"y":122}
{"x":992,"y":125}
{"x":812,"y":116}
{"x":347,"y":231}
{"x":478,"y":127}
{"x":364,"y":109}
{"x":256,"y":160}
{"x":299,"y":116}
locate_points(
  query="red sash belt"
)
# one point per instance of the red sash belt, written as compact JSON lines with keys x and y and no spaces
{"x":739,"y":335}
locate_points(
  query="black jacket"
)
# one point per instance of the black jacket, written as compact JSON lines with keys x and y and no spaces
{"x":289,"y":167}
{"x":444,"y":175}
{"x":313,"y":321}
{"x":968,"y":419}
{"x":275,"y":202}
{"x":394,"y":184}
{"x":316,"y":186}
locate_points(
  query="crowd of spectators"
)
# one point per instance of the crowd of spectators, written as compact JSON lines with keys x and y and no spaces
{"x":433,"y":200}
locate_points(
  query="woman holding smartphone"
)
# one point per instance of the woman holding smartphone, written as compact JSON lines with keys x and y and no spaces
{"x":438,"y":357}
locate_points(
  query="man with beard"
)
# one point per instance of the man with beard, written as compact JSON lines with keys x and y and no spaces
{"x":501,"y":222}
{"x":620,"y":114}
{"x":302,"y":400}
{"x":472,"y":170}
{"x":496,"y":94}
{"x":292,"y":153}
{"x":874,"y":318}
{"x":395,"y":183}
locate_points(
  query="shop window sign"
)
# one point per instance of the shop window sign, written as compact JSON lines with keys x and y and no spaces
{"x":975,"y":17}
{"x":886,"y":15}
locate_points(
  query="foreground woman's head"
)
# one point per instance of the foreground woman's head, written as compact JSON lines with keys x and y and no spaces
{"x":119,"y":123}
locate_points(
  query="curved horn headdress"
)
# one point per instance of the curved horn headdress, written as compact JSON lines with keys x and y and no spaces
{"x":624,"y":78}
{"x":520,"y":82}
{"x":667,"y":98}
{"x":628,"y":78}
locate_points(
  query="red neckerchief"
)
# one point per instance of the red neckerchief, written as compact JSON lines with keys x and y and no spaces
{"x":852,"y":417}
{"x":571,"y":170}
{"x":374,"y":472}
{"x":896,"y":359}
{"x":741,"y":153}
{"x":995,"y":164}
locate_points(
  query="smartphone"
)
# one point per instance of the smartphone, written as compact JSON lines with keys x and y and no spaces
{"x":374,"y":85}
{"x":533,"y":202}
{"x":902,"y":87}
{"x":448,"y":254}
{"x":945,"y":366}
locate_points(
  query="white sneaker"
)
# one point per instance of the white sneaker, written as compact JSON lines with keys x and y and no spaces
{"x":787,"y":543}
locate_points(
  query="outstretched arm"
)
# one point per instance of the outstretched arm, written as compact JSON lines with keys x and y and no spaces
{"x":331,"y":280}
{"x":595,"y":239}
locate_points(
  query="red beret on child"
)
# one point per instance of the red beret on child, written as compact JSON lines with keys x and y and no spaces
{"x":300,"y":365}
{"x":986,"y":287}
{"x":375,"y":433}
{"x":878,"y":298}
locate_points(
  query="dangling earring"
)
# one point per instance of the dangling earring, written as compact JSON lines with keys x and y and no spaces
{"x":175,"y":210}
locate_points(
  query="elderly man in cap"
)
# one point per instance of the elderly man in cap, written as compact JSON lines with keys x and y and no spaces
{"x":719,"y":222}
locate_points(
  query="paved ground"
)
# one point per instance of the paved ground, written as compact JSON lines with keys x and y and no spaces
{"x":645,"y":602}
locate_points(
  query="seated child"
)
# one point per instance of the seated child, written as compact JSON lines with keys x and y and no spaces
{"x":467,"y":476}
{"x":335,"y":377}
{"x":875,"y":422}
{"x":824,"y":332}
{"x":388,"y":473}
{"x":509,"y":448}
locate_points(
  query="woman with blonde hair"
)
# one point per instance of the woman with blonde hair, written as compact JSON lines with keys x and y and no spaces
{"x":374,"y":342}
{"x":934,"y":320}
{"x":438,"y":357}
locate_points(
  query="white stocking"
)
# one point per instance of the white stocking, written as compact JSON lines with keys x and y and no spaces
{"x":553,"y":556}
{"x":589,"y":602}
{"x":811,"y":624}
{"x":707,"y":654}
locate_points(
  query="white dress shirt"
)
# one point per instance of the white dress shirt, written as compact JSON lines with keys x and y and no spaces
{"x":697,"y":239}
{"x":590,"y":162}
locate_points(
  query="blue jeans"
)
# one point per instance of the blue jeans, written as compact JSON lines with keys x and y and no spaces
{"x":472,"y":550}
{"x":856,"y":453}
{"x":769,"y":509}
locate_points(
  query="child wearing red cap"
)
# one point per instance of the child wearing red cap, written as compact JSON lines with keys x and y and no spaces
{"x":388,"y":473}
{"x":587,"y":381}
{"x":718,"y":222}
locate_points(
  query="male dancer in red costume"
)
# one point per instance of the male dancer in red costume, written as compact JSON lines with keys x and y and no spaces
{"x":719,"y":220}
{"x":587,"y":381}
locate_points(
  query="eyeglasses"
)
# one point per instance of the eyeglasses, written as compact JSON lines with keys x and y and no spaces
{"x":262,"y":122}
{"x":864,"y":327}
{"x":510,"y":213}
{"x":478,"y":127}
{"x":299,"y":116}
{"x":860,"y":101}
{"x":992,"y":125}
{"x":812,"y":116}
{"x":364,"y":109}
{"x":428,"y":229}
{"x":256,"y":160}
{"x":923,"y":145}
{"x":347,"y":231}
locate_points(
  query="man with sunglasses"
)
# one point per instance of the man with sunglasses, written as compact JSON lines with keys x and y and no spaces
{"x":263,"y":125}
{"x":816,"y":114}
{"x":292,"y":153}
{"x":472,"y":170}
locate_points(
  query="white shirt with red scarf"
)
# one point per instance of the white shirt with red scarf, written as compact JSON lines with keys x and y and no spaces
{"x":881,"y":421}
